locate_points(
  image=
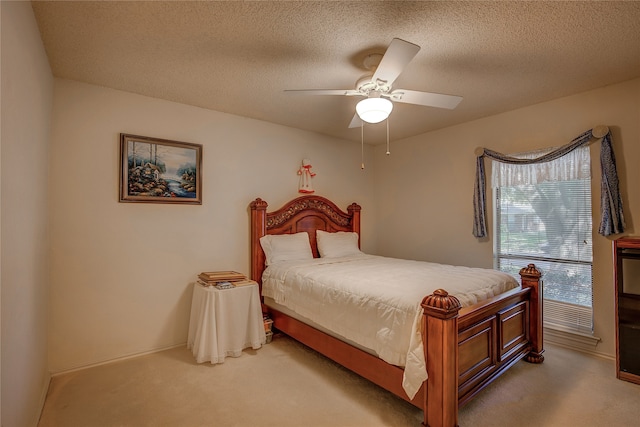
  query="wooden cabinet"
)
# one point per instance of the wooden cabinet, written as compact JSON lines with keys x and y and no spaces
{"x":626,"y":256}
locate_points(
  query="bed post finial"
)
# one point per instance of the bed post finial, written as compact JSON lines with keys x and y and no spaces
{"x":441,"y":305}
{"x":440,"y":324}
{"x":259,"y":204}
{"x":530,"y":277}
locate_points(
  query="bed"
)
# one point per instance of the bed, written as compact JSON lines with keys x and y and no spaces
{"x":461,"y":349}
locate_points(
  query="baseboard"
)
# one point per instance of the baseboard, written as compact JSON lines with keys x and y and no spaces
{"x":116,"y":359}
{"x":43,"y":399}
{"x":574,"y":341}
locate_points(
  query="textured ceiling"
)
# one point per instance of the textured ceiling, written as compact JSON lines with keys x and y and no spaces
{"x":239,"y":57}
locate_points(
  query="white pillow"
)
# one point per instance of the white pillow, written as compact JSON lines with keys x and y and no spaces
{"x":336,"y":245}
{"x":286,"y":247}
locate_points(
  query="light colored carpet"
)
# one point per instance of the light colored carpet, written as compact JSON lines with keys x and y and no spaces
{"x":285,"y":384}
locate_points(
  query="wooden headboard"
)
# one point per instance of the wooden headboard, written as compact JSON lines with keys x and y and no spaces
{"x":306,"y":213}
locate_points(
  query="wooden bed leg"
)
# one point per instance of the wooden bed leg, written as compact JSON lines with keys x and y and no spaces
{"x":531,"y":278}
{"x":440,"y":336}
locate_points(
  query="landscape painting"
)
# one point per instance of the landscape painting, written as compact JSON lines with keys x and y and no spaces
{"x":159,"y":171}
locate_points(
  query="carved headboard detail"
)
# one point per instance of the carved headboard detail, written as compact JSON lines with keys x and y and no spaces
{"x":306,"y":213}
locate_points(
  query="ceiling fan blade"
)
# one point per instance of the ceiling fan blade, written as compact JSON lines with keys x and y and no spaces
{"x":398,"y":55}
{"x":348,"y":92}
{"x":428,"y":99}
{"x":356,"y":122}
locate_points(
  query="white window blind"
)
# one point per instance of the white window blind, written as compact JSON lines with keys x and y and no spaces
{"x":548,"y":222}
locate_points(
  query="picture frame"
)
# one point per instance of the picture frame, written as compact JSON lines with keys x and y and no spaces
{"x":154,"y":170}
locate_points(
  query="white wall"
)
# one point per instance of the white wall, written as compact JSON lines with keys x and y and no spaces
{"x":121,"y":272}
{"x":424,"y":190}
{"x":27,"y":90}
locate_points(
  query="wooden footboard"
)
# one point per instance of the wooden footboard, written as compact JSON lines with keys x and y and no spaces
{"x":465,"y":349}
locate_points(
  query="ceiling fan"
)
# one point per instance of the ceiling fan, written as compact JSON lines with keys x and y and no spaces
{"x":376,"y":87}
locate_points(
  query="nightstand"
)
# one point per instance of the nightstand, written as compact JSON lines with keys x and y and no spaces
{"x":224,"y":322}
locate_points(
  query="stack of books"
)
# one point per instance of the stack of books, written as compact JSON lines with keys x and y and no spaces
{"x":223,"y":279}
{"x":268,"y":323}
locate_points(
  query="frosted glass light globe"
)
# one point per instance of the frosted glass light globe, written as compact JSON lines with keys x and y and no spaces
{"x":374,"y":110}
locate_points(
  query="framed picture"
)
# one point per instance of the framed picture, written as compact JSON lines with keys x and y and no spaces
{"x":156,"y":170}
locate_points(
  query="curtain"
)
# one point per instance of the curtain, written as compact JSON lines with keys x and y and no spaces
{"x":572,"y":166}
{"x":612,"y":219}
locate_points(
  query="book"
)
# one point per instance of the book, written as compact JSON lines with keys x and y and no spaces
{"x":224,"y":285}
{"x":244,"y":282}
{"x":268,"y":323}
{"x":221,"y":276}
{"x":205,"y":284}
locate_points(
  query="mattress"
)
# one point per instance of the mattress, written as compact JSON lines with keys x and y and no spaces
{"x":375,"y":301}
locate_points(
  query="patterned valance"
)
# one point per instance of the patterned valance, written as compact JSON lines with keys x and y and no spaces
{"x":612,"y":219}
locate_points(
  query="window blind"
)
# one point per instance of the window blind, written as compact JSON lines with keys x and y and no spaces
{"x":550,"y":224}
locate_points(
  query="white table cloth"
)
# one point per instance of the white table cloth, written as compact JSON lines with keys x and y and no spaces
{"x":224,"y":322}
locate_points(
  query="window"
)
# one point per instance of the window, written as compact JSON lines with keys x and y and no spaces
{"x":543,"y":216}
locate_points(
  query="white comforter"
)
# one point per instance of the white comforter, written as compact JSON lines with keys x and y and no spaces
{"x":375,"y":301}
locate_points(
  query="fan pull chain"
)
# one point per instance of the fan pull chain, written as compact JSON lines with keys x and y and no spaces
{"x":362,"y":145}
{"x":388,"y":152}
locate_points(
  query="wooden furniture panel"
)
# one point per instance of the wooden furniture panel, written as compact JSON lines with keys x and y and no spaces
{"x":477,"y":355}
{"x":626,"y":255}
{"x":513,"y":329}
{"x":465,"y":349}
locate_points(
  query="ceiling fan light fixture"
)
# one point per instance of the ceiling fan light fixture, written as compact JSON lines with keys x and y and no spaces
{"x":374,"y":110}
